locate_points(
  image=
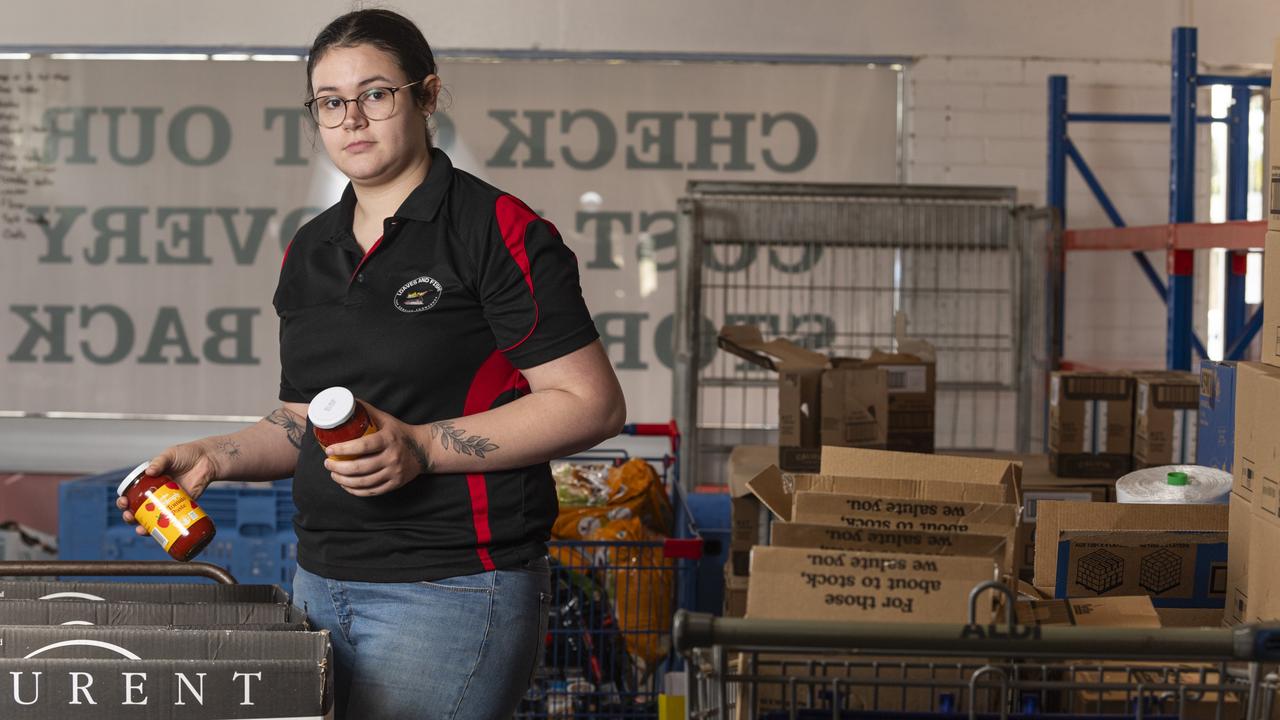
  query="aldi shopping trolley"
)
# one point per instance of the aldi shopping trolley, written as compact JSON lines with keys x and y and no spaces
{"x":609,"y":637}
{"x":743,"y":669}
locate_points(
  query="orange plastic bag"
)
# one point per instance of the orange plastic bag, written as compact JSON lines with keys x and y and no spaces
{"x":634,"y":491}
{"x":641,"y":582}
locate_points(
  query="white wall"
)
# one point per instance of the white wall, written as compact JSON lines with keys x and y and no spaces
{"x":975,"y":102}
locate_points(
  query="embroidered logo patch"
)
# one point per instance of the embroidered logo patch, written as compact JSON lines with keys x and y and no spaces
{"x":421,"y":293}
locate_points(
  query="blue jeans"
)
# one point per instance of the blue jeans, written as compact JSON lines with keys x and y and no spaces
{"x":464,"y":648}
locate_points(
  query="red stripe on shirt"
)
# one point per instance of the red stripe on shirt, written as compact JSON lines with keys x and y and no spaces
{"x":513,"y":221}
{"x":364,"y":259}
{"x":495,"y":377}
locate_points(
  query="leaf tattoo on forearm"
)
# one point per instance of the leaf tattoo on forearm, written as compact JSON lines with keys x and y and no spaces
{"x":419,"y":453}
{"x":293,"y":429}
{"x":456,"y":439}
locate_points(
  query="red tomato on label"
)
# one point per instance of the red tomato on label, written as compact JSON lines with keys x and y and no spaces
{"x":163,"y":522}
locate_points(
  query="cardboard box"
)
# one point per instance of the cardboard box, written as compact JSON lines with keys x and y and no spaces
{"x":748,"y":517}
{"x":1090,"y":424}
{"x":1036,"y":489}
{"x":1270,"y":350}
{"x":777,"y":489}
{"x":799,"y":387}
{"x":828,"y":537}
{"x":1165,"y":423}
{"x":1216,"y":416}
{"x":142,"y":592}
{"x":1241,"y":517}
{"x":1257,"y":454}
{"x":1273,"y":171}
{"x":863,"y":463}
{"x":92,"y":612}
{"x":18,"y":542}
{"x":913,"y":399}
{"x":1263,"y":582}
{"x":809,"y":584}
{"x":735,"y":593}
{"x":854,"y":403}
{"x":891,"y":513}
{"x":801,"y":374}
{"x":1175,"y":553}
{"x":914,"y":515}
{"x":1118,"y":611}
{"x":85,"y":672}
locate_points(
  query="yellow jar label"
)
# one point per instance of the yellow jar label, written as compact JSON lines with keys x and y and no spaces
{"x":168,"y":514}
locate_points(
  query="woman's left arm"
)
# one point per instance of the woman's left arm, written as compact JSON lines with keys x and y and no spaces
{"x":575,"y":403}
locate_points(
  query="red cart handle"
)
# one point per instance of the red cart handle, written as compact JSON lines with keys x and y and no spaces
{"x":667,"y":429}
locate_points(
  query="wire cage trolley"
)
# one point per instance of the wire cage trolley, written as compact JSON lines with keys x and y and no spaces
{"x":773,"y":669}
{"x":608,"y":644}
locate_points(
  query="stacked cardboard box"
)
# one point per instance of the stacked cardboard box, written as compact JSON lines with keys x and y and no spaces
{"x":184,"y":650}
{"x":912,"y":380}
{"x":882,"y":535}
{"x":1255,"y":495}
{"x":1090,"y":424}
{"x":1271,"y":269}
{"x":1039,"y":485}
{"x":1176,"y":554}
{"x":817,"y":403}
{"x":1165,"y":424}
{"x":749,"y":521}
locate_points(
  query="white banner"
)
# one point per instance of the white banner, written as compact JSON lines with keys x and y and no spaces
{"x":144,"y":205}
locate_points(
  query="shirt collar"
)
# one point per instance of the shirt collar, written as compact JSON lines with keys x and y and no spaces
{"x":422,"y":204}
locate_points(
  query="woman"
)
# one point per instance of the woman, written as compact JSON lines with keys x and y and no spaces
{"x":456,"y":315}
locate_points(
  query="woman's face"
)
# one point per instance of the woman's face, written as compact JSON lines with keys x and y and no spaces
{"x":371,"y":152}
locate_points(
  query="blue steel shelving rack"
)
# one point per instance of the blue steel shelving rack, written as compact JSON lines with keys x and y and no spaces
{"x":1182,"y":120}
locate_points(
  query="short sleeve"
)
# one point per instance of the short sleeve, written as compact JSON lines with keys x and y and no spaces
{"x":531,"y":290}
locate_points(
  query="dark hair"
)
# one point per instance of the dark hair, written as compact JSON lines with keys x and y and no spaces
{"x":388,"y":31}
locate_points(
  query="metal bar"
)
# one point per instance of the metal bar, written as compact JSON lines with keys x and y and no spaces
{"x":1152,"y":118}
{"x":1234,"y":310}
{"x":1244,"y":642}
{"x":1136,"y":118}
{"x":1056,"y":196}
{"x":1235,"y":235}
{"x":1239,"y":81}
{"x":1144,"y":263}
{"x":1182,"y":167}
{"x":141,"y":568}
{"x":1095,"y":187}
{"x":1247,"y":334}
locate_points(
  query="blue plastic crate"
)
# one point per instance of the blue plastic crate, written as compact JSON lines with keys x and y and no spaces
{"x":255,"y":539}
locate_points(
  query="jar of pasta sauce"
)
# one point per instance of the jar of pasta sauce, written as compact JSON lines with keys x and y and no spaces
{"x":167,"y":513}
{"x":336,"y":416}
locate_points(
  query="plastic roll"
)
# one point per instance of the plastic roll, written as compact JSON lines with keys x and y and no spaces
{"x":1175,"y":484}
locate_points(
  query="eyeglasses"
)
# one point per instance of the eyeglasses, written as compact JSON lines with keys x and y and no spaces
{"x":376,"y":103}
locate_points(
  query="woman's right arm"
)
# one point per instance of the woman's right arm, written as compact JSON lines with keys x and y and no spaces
{"x":266,"y":450}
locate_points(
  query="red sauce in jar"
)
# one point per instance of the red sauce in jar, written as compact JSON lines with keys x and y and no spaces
{"x":167,"y":513}
{"x":336,"y":416}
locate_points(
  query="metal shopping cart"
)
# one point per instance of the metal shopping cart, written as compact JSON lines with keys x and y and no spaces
{"x":609,"y":637}
{"x":770,"y":669}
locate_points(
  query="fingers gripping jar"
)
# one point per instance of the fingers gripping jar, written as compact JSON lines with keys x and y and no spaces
{"x":167,"y":513}
{"x":337,"y":416}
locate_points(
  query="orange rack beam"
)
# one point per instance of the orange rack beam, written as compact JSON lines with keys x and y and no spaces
{"x":1236,"y":235}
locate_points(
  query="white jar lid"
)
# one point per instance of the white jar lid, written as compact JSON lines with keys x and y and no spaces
{"x":331,"y":407}
{"x":128,"y":479}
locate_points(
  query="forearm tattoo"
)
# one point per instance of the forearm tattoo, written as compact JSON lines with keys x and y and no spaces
{"x":230,"y":448}
{"x":419,"y":453}
{"x":456,"y":439}
{"x":292,"y":428}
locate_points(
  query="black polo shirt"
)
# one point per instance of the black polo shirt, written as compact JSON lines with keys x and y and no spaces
{"x":466,"y":287}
